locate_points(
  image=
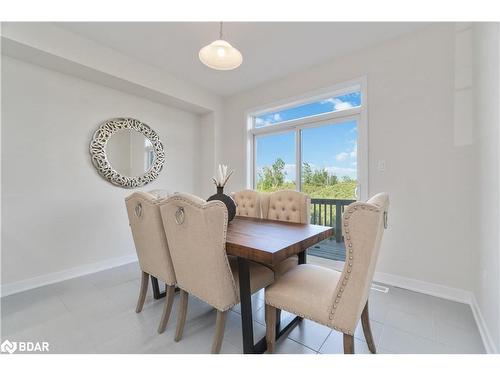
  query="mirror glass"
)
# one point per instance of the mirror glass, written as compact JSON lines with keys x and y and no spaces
{"x":130,"y":153}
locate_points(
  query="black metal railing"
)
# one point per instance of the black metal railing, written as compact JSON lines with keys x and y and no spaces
{"x":328,"y":212}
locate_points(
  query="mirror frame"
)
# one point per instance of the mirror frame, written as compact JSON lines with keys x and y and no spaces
{"x":100,"y":159}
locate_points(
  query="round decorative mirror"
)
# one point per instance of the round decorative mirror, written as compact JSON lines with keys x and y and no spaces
{"x":127,"y":152}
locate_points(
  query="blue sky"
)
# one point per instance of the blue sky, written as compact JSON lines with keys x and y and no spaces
{"x":331,"y":146}
{"x":333,"y":104}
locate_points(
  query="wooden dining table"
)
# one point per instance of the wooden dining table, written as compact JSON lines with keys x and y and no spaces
{"x":268,"y":242}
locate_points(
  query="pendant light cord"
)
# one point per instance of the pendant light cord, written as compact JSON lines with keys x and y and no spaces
{"x":220,"y":30}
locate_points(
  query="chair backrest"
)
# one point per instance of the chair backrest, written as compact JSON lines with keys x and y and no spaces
{"x":149,"y":236}
{"x":160,"y":193}
{"x":196,"y":232}
{"x":287,"y":205}
{"x":247,"y":203}
{"x":363,"y":226}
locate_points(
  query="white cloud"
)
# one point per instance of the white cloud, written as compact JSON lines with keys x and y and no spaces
{"x":259,"y":121}
{"x":342,"y":105}
{"x":338,"y":104}
{"x":342,"y":156}
{"x":354,"y":153}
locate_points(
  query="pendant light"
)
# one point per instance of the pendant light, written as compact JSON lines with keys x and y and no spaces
{"x":220,"y":55}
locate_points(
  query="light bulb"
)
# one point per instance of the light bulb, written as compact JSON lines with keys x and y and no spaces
{"x":221,"y":52}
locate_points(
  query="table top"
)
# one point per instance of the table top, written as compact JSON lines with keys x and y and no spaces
{"x":271,"y":241}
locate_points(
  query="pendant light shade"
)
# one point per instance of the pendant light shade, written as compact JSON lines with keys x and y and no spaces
{"x":220,"y":55}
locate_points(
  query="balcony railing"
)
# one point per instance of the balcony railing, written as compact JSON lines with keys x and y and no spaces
{"x":328,"y":212}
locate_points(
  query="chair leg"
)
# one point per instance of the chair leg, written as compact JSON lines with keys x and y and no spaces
{"x":270,"y":328}
{"x":169,"y":300}
{"x":219,"y":331}
{"x":365,"y":322}
{"x":348,"y":344}
{"x":143,"y":292}
{"x":181,"y":318}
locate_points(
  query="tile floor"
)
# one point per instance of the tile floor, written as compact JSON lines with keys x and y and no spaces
{"x":95,"y":314}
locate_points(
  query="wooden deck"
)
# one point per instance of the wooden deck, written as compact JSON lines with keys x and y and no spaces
{"x":329,"y":249}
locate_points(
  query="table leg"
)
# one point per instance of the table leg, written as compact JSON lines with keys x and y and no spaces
{"x":246,"y":306}
{"x":246,"y":311}
{"x":302,"y":260}
{"x":302,"y":257}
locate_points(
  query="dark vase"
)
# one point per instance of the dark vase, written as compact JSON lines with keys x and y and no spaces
{"x":227,"y":200}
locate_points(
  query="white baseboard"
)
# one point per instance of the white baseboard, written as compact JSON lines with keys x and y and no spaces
{"x":488,"y":342}
{"x":55,"y":277}
{"x":436,"y":290}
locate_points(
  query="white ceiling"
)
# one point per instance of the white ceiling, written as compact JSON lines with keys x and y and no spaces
{"x":270,"y":50}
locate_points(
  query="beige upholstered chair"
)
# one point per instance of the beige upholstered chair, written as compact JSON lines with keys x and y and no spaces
{"x":152,"y":249}
{"x":160,"y":193}
{"x":286,"y":205}
{"x":328,"y":297}
{"x":196,"y":232}
{"x":247,"y":203}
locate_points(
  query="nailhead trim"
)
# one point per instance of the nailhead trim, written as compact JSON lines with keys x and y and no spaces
{"x":351,"y":209}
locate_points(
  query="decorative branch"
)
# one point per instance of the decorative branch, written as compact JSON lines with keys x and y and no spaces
{"x":222,"y":176}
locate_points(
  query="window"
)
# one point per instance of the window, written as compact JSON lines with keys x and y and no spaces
{"x":325,"y":105}
{"x":275,"y":162}
{"x":317,"y":146}
{"x":310,"y":146}
{"x":329,"y":160}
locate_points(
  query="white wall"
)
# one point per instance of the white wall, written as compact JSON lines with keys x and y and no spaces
{"x":57,"y":212}
{"x":47,"y":45}
{"x":411,"y":127}
{"x":487,"y":250}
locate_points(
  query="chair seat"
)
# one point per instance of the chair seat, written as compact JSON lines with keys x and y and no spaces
{"x":306,"y":290}
{"x":260,"y":276}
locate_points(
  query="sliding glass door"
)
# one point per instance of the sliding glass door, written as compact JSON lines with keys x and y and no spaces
{"x":275,"y":162}
{"x":328,"y":160}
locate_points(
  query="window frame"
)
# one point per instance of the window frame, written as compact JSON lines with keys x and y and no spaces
{"x":297,"y":125}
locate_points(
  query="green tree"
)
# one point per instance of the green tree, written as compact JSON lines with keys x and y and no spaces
{"x":321,"y":177}
{"x":316,"y":183}
{"x":272,"y":177}
{"x":332,"y":179}
{"x":279,"y":172}
{"x":306,"y":173}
